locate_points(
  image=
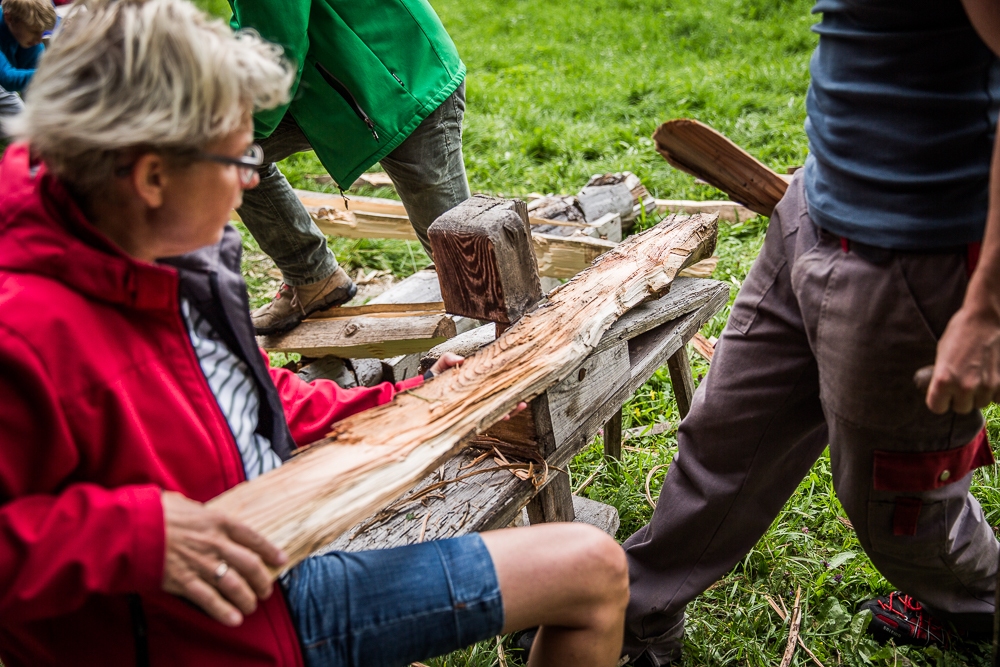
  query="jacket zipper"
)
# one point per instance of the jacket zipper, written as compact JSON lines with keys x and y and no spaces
{"x":348,"y":97}
{"x":193,"y":358}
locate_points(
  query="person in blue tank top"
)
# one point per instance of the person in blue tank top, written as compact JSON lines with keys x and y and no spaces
{"x":882,"y":259}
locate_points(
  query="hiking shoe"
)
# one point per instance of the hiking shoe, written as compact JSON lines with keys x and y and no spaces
{"x":291,"y":304}
{"x":904,"y":620}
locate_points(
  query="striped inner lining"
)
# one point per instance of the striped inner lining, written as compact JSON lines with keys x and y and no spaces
{"x":231,"y":382}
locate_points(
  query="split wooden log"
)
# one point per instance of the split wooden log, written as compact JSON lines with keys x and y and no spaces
{"x":701,"y":151}
{"x":373,"y":457}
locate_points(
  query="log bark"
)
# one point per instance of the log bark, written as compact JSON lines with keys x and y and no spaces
{"x":373,"y":457}
{"x":701,"y":151}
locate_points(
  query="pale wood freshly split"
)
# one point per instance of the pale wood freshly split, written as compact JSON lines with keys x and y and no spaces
{"x":699,"y":150}
{"x":373,"y":457}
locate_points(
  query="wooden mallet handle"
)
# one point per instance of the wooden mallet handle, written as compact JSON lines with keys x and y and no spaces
{"x":922,"y":378}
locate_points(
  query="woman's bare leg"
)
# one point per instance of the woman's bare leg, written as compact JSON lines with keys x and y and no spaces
{"x":569,"y":579}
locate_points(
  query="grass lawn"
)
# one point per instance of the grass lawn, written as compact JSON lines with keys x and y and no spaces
{"x":558,"y":91}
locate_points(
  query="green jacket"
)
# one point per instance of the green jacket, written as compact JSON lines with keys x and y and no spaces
{"x":369,"y":71}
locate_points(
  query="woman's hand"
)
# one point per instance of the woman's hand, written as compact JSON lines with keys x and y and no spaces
{"x":446,"y":361}
{"x":216,"y":563}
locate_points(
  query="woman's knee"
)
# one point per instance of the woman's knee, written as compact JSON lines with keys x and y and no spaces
{"x":600,"y":559}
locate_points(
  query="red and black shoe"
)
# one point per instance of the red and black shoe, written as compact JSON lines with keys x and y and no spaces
{"x":905,"y":621}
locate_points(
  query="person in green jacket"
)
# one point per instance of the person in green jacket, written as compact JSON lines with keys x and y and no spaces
{"x":377,"y":81}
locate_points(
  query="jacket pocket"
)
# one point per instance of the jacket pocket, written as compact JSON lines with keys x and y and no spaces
{"x":352,"y":102}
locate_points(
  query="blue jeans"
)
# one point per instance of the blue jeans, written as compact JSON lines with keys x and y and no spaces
{"x":392,"y":607}
{"x":427,"y":169}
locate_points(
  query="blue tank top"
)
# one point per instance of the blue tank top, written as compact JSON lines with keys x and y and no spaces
{"x":902,"y":112}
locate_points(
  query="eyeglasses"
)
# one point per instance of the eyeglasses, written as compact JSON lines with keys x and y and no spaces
{"x":246,"y":165}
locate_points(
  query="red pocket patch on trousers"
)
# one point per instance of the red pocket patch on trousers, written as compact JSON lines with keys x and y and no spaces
{"x":915,"y":472}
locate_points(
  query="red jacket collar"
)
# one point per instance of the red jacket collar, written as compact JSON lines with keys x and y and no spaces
{"x":44,"y":232}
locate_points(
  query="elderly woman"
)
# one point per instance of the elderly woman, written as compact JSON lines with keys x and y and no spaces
{"x":131,"y":392}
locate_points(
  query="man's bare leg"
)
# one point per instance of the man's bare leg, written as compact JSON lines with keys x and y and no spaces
{"x":569,"y":579}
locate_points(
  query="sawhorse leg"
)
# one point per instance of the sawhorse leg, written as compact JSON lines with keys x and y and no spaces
{"x":680,"y":377}
{"x":553,"y":503}
{"x":613,"y":437}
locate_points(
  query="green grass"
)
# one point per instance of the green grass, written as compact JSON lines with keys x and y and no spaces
{"x":560,"y":91}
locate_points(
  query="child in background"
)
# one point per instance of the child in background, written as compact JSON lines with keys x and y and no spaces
{"x":21,"y":28}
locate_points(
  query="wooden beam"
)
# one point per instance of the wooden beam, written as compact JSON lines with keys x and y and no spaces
{"x":363,"y":336}
{"x":373,"y":457}
{"x":483,"y":257}
{"x":701,"y":151}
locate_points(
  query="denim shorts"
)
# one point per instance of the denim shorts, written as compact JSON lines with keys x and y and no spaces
{"x":392,"y":607}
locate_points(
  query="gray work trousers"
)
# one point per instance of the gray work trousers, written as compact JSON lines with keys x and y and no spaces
{"x":427,"y":169}
{"x":821,"y":347}
{"x":10,"y":105}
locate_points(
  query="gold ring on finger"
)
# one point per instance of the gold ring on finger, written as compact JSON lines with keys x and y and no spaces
{"x":221,"y":569}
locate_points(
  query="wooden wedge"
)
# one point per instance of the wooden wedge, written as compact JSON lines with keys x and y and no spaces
{"x":373,"y":457}
{"x":699,"y":150}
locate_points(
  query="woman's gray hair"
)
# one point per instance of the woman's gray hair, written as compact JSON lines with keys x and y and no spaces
{"x":127,"y":75}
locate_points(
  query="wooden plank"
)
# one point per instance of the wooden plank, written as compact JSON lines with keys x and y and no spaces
{"x":379,"y":337}
{"x":380,"y":310}
{"x":699,"y":150}
{"x":460,"y":507}
{"x":484,"y":260}
{"x":680,"y":377}
{"x":314,"y":201}
{"x":564,"y":257}
{"x":685,"y":296}
{"x":585,"y":388}
{"x":373,"y":457}
{"x":729,"y":211}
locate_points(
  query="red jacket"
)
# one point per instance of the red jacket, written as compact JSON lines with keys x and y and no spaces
{"x":102,"y":405}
